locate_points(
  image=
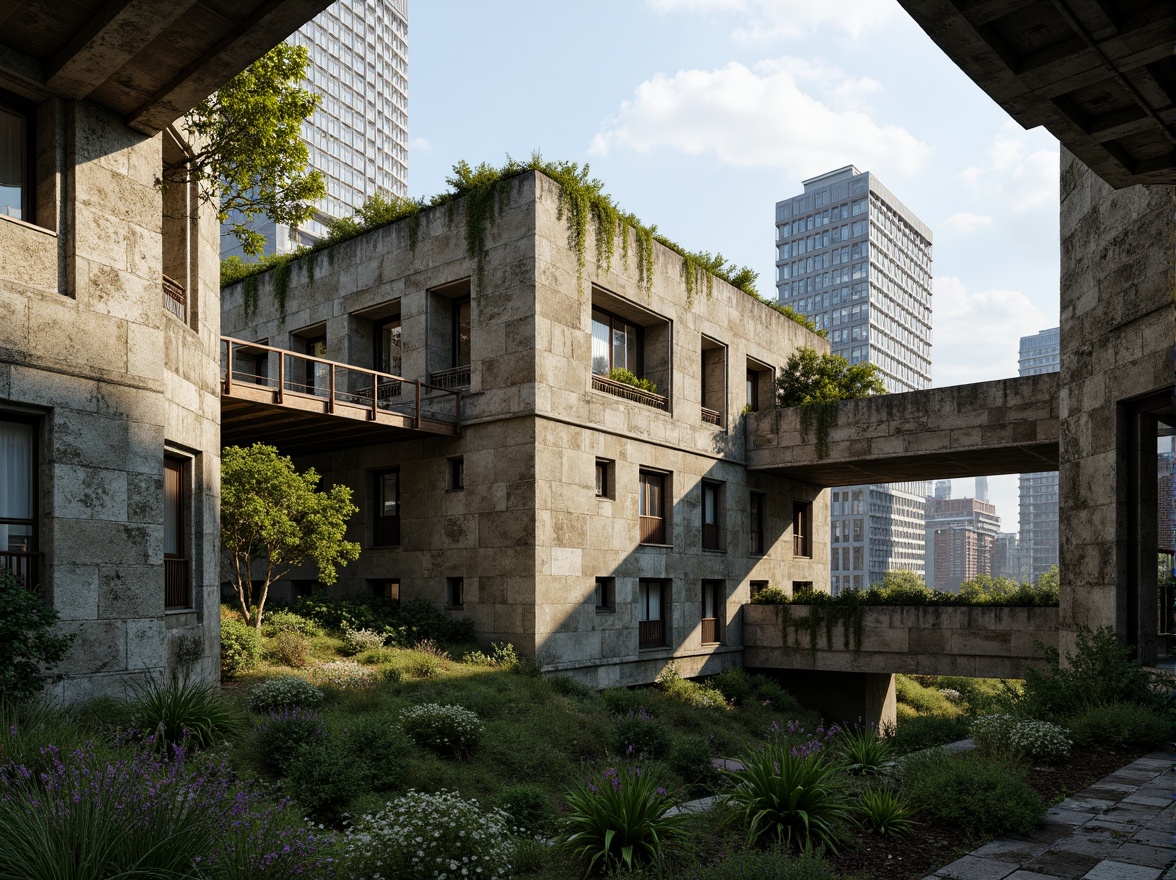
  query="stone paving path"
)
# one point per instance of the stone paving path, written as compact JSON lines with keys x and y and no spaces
{"x":1120,"y":828}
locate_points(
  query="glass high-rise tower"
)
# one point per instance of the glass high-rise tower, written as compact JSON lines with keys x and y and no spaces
{"x":857,"y":261}
{"x":1041,"y":353}
{"x":358,"y":137}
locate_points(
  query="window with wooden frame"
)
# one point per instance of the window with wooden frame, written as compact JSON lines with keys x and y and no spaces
{"x":18,"y":501}
{"x":461,"y":333}
{"x":617,"y":344}
{"x":177,"y":565}
{"x":605,"y":483}
{"x":18,"y":125}
{"x":387,"y":346}
{"x":714,"y":603}
{"x":652,"y":601}
{"x":802,"y":528}
{"x":651,"y":507}
{"x":712,"y":503}
{"x":386,"y":531}
{"x":756,"y":514}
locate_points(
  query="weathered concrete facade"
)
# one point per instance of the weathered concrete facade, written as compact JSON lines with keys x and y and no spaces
{"x":1118,"y":326}
{"x":527,"y":533}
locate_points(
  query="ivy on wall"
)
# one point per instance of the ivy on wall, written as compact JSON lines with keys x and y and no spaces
{"x":485,"y":192}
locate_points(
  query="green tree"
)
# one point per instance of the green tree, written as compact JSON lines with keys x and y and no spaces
{"x":248,"y":156}
{"x":271,"y":514}
{"x":809,"y":377}
{"x":27,"y":645}
{"x":898,"y":584}
{"x":986,"y":588}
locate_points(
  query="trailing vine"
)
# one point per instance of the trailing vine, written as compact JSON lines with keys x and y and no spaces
{"x":249,"y":296}
{"x":821,"y":415}
{"x":824,"y":612}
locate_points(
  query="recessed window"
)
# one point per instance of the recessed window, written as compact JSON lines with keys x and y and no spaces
{"x":456,"y":477}
{"x":176,"y":562}
{"x":386,"y":532}
{"x":386,"y":589}
{"x":616,"y":344}
{"x":756,"y":533}
{"x":605,"y":485}
{"x":714,"y":382}
{"x":712,"y":498}
{"x":18,"y":494}
{"x":606,"y":594}
{"x":454,"y":592}
{"x":316,"y":375}
{"x":652,"y":507}
{"x":387,"y":346}
{"x":652,"y":599}
{"x":759,"y":392}
{"x":714,"y":601}
{"x":16,"y":154}
{"x":802,"y":526}
{"x":450,"y":330}
{"x":461,"y":333}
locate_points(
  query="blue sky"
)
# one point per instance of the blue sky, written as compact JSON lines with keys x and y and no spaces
{"x":699,"y":115}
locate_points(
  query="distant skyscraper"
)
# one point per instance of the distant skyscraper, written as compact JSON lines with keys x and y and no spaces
{"x":982,"y":488}
{"x":1166,"y":492}
{"x":961,"y":539}
{"x":1041,"y":353}
{"x":358,"y":137}
{"x":857,"y":261}
{"x":1006,"y":556}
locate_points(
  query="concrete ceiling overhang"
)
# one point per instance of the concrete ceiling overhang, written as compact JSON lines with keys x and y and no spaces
{"x":149,"y":60}
{"x":1100,"y":75}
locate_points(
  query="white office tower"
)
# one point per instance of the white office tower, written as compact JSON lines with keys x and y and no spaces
{"x":358,"y":136}
{"x":1039,"y":492}
{"x":857,"y":261}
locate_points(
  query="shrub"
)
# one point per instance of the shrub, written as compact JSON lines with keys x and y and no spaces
{"x":262,"y":839}
{"x":884,"y":811}
{"x":529,"y":809}
{"x":690,"y":758}
{"x":734,"y":684}
{"x":918,"y":732}
{"x":323,"y":776}
{"x":639,"y":735}
{"x":291,"y":649}
{"x":345,"y":675}
{"x":422,"y":836}
{"x":699,"y":696}
{"x":282,"y":620}
{"x":792,"y":798}
{"x":27,"y":645}
{"x":356,"y":641}
{"x":384,"y":751}
{"x":973,"y":794}
{"x":772,"y":695}
{"x":760,"y":864}
{"x":619,"y":820}
{"x":620,"y":374}
{"x":240,"y":647}
{"x":1101,"y":671}
{"x":566,"y":686}
{"x":771,"y":596}
{"x":188,"y":712}
{"x":282,"y":735}
{"x":447,"y":730}
{"x":377,"y":657}
{"x":402,"y":623}
{"x":1118,"y":726}
{"x":501,"y":655}
{"x":284,"y":692}
{"x":924,"y":700}
{"x":863,"y":752}
{"x":621,"y":701}
{"x":1005,"y":736}
{"x":421,"y":665}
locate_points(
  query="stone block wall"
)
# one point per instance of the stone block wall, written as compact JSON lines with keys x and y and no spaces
{"x":111,"y":380}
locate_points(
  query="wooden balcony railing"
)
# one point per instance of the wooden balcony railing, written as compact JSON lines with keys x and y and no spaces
{"x":175,"y":298}
{"x":337,"y":383}
{"x":653,"y":530}
{"x":387,"y":531}
{"x":26,"y":567}
{"x":710,"y":416}
{"x":458,"y":377}
{"x":177,"y":584}
{"x":651,"y":634}
{"x":628,"y":392}
{"x":711,"y":631}
{"x":710,"y":537}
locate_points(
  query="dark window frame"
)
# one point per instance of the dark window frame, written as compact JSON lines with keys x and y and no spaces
{"x":386,"y":527}
{"x":652,"y":489}
{"x":605,"y":483}
{"x":27,"y":110}
{"x":713,"y":633}
{"x":712,"y":520}
{"x":26,"y":566}
{"x":606,"y":594}
{"x":455,"y":593}
{"x":378,"y":353}
{"x":386,"y":588}
{"x":178,"y":566}
{"x":755,"y":508}
{"x":753,"y":390}
{"x":802,"y":529}
{"x":612,"y":319}
{"x":455,"y":474}
{"x":455,"y":359}
{"x":653,"y":632}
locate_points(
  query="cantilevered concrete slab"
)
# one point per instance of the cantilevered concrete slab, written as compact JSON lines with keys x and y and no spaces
{"x":1002,"y":427}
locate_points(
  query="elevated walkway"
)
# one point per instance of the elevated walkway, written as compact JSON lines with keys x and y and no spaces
{"x":1008,"y":426}
{"x":303,"y":404}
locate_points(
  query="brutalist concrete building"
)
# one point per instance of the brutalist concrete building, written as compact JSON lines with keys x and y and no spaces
{"x":602,"y":528}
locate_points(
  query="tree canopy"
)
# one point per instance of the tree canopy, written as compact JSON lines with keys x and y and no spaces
{"x":809,"y":377}
{"x":248,"y":156}
{"x":272,"y":515}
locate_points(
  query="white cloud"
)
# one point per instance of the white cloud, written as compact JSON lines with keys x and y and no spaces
{"x":765,"y":20}
{"x":787,"y":113}
{"x":1020,"y":174}
{"x":965,"y":222}
{"x":977,"y":336}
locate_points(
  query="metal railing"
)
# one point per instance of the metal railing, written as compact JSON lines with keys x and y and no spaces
{"x":335,"y":383}
{"x":629,"y":392}
{"x":175,"y":298}
{"x":177,"y":584}
{"x":711,"y":631}
{"x":457,"y":377}
{"x":710,"y":416}
{"x":651,"y":634}
{"x":26,"y":566}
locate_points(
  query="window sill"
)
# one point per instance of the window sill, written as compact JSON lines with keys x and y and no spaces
{"x":604,"y":609}
{"x":384,"y":546}
{"x":718,"y":551}
{"x":659,"y":546}
{"x":27,"y":225}
{"x":455,"y":607}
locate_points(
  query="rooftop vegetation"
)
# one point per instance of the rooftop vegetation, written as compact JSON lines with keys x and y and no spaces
{"x":478,"y":195}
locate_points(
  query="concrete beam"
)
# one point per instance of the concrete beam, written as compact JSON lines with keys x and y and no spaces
{"x":109,"y":41}
{"x":1000,"y":427}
